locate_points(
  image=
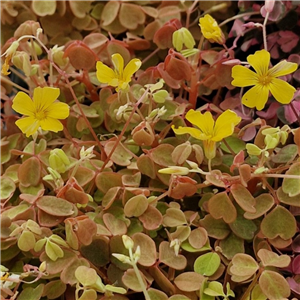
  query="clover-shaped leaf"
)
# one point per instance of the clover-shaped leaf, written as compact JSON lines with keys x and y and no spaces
{"x":207,"y":264}
{"x":26,"y":241}
{"x":243,"y":266}
{"x":220,"y":206}
{"x":131,"y":281}
{"x":291,"y":186}
{"x":86,"y":276}
{"x":55,"y":206}
{"x":274,"y":285}
{"x":189,"y":281}
{"x":167,"y":256}
{"x":269,"y":258}
{"x":279,"y":223}
{"x":243,"y":197}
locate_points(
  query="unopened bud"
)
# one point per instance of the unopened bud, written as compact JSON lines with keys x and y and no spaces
{"x":269,"y":5}
{"x":122,"y":258}
{"x":175,"y":170}
{"x":58,"y":160}
{"x":127,"y":241}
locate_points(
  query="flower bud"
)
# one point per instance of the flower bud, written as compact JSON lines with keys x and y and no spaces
{"x":211,"y":30}
{"x":182,"y":37}
{"x":122,"y":258}
{"x":127,"y":241}
{"x":22,"y":61}
{"x":137,"y":254}
{"x":86,"y":153}
{"x":269,"y":5}
{"x":58,"y":160}
{"x":175,"y":170}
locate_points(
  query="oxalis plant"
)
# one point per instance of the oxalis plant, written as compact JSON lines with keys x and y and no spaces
{"x":150,"y":150}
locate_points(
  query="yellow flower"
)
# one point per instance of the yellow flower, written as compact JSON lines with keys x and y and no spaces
{"x":264,"y":80}
{"x":42,"y":111}
{"x":119,"y":77}
{"x":211,"y":30}
{"x":9,"y":53}
{"x":209,"y":131}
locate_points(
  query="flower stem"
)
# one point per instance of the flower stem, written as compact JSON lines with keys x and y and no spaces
{"x":265,"y":32}
{"x":141,"y":282}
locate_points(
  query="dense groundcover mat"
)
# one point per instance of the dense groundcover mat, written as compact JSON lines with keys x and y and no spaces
{"x":150,"y":150}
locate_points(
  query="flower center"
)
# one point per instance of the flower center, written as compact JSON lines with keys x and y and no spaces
{"x":40,"y":115}
{"x":265,"y":79}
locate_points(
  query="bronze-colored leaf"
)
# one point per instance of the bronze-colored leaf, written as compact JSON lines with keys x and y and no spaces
{"x":220,"y":206}
{"x":279,"y":222}
{"x":274,"y":285}
{"x":131,"y":15}
{"x":148,"y":249}
{"x":189,"y":281}
{"x":243,"y":197}
{"x":264,"y":203}
{"x":167,"y":256}
{"x":269,"y":258}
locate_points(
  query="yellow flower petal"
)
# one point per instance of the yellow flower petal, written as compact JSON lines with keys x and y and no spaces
{"x":28,"y":125}
{"x":131,"y":68}
{"x":225,"y":124}
{"x":209,"y":149}
{"x":257,"y":97}
{"x":23,"y":104}
{"x":260,"y":61}
{"x":282,"y":91}
{"x":211,"y":30}
{"x":283,"y":68}
{"x":204,"y":122}
{"x":118,"y":63}
{"x":44,"y":97}
{"x":104,"y":73}
{"x":58,"y":110}
{"x":194,"y":132}
{"x":51,"y":124}
{"x":243,"y":76}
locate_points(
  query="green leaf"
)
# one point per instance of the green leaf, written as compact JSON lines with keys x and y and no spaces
{"x":235,"y":144}
{"x":232,"y":245}
{"x":8,"y":187}
{"x":214,"y":288}
{"x":160,"y":96}
{"x":30,"y":293}
{"x":53,"y":251}
{"x":286,"y":154}
{"x":86,"y":276}
{"x":207,"y":264}
{"x":279,"y":222}
{"x":286,"y":199}
{"x":26,"y":241}
{"x":291,"y":186}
